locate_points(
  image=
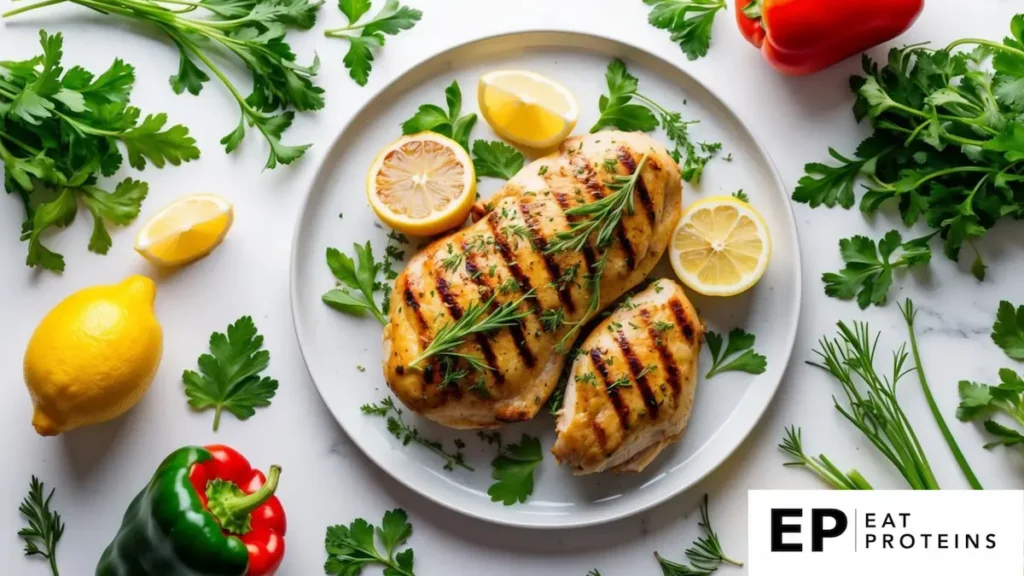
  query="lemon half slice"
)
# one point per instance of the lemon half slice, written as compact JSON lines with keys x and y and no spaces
{"x":721,"y":246}
{"x":422,"y":184}
{"x":185,"y":230}
{"x":527,"y":108}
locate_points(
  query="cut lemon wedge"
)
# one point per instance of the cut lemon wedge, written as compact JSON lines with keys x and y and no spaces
{"x":185,"y":230}
{"x":527,"y":108}
{"x":721,"y":246}
{"x":422,"y":184}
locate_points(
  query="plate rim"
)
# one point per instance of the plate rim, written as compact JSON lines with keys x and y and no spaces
{"x":600,"y":519}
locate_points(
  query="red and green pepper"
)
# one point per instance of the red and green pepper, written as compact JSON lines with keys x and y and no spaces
{"x":206,"y":512}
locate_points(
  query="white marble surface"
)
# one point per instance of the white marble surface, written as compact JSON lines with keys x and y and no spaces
{"x":98,"y":470}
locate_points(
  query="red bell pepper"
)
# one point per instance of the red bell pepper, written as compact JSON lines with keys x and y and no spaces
{"x":262,"y":528}
{"x":804,"y":36}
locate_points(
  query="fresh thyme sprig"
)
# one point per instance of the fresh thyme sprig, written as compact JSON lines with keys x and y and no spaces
{"x":406,"y":433}
{"x":793,"y":445}
{"x":473,"y":321}
{"x":599,"y":219}
{"x":44,"y":525}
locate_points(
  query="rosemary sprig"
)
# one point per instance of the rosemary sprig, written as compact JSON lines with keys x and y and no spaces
{"x":406,"y":433}
{"x":599,"y":219}
{"x":473,"y":321}
{"x":793,"y":445}
{"x":706,"y":552}
{"x":44,"y":525}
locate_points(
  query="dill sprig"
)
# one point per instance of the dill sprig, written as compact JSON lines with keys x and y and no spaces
{"x":44,"y":525}
{"x":599,"y":219}
{"x":407,"y":434}
{"x":876,"y":411}
{"x":793,"y":445}
{"x":473,"y":321}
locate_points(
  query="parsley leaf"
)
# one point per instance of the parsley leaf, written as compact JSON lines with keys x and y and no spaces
{"x":45,"y":527}
{"x":868,"y":274}
{"x":364,"y":37}
{"x":357,"y":281}
{"x":496,"y":159}
{"x":407,"y":434}
{"x":353,"y":547}
{"x":625,"y":108}
{"x":230,"y":377}
{"x":689,"y":21}
{"x":739,"y":341}
{"x":435,"y":119}
{"x":1008,"y":330}
{"x":513,"y":471}
{"x":977,"y":400}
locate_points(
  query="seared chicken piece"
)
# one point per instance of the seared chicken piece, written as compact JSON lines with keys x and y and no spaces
{"x":504,"y":255}
{"x":631,"y":388}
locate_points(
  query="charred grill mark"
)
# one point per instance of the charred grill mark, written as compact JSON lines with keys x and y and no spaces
{"x":637,"y":369}
{"x":508,"y":256}
{"x":641,"y":188}
{"x":413,"y":303}
{"x":549,"y":259}
{"x":516,"y":330}
{"x":667,"y":362}
{"x":456,"y":312}
{"x":620,"y":406}
{"x":682,"y":319}
{"x":587,"y":176}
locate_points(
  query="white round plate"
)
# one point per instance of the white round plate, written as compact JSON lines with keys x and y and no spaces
{"x":343,"y":353}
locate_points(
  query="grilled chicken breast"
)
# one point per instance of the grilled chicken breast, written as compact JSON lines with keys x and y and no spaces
{"x":504,"y":255}
{"x":631,"y":388}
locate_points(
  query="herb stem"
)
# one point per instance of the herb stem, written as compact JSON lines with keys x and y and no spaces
{"x":988,"y":43}
{"x":908,"y":314}
{"x":24,"y":9}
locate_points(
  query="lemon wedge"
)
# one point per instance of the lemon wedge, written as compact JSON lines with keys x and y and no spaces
{"x":422,"y":184}
{"x":185,"y":230}
{"x":527,"y":108}
{"x":721,"y":246}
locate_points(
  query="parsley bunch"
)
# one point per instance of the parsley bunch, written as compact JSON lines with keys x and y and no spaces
{"x":364,"y":37}
{"x":947,"y":144}
{"x":253,"y":31}
{"x":59,"y":133}
{"x":625,"y":108}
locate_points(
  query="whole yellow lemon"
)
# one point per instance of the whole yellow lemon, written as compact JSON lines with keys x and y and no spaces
{"x":93,"y":356}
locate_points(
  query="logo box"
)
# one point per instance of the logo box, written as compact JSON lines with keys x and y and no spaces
{"x":885,"y":532}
